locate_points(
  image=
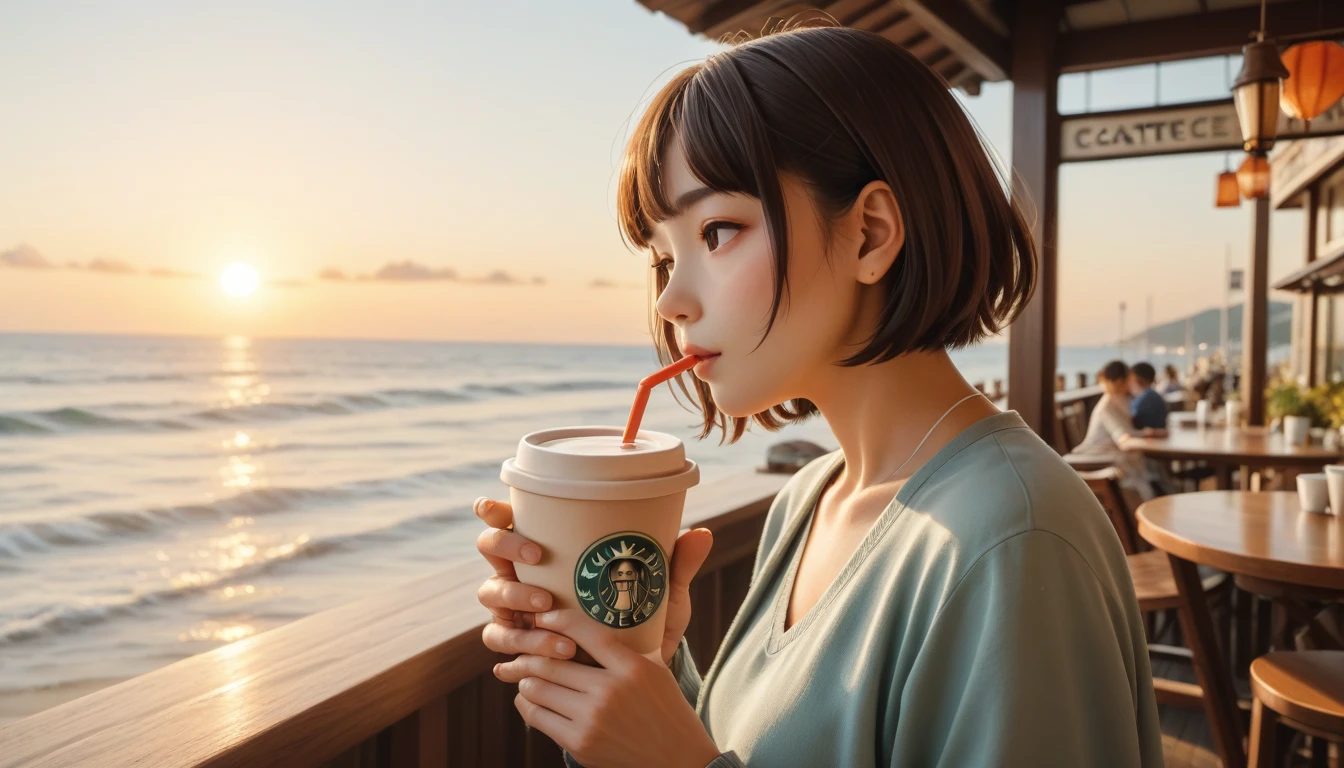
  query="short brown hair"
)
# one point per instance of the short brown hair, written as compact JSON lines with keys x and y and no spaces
{"x":840,"y":108}
{"x":1116,"y":370}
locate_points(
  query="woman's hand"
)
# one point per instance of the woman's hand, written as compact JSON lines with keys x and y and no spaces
{"x":511,"y":630}
{"x":628,"y":712}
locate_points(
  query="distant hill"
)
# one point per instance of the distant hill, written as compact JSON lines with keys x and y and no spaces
{"x":1206,"y":328}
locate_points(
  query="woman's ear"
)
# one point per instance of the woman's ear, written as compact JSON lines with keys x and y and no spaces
{"x":882,"y":230}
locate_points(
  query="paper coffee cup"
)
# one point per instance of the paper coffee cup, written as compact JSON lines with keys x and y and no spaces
{"x":606,"y":517}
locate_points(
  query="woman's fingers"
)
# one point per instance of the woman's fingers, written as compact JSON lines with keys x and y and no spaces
{"x":570,"y":674}
{"x":496,"y":514}
{"x":501,"y":593}
{"x":505,"y":638}
{"x":503,"y":548}
{"x":563,"y":701}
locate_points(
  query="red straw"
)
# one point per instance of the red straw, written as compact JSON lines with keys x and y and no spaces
{"x":645,"y":387}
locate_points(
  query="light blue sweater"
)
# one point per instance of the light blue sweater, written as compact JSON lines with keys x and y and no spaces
{"x":986,"y":619}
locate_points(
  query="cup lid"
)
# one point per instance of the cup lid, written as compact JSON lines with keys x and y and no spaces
{"x":591,"y":463}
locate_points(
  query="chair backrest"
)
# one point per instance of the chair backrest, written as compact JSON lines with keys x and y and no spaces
{"x":1073,"y":424}
{"x":1105,"y":485}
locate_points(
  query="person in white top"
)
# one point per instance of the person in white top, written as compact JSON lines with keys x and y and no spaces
{"x":1110,"y":426}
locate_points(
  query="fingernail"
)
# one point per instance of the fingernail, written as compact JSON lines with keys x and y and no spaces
{"x":539,"y":601}
{"x":496,"y":670}
{"x":531,"y":553}
{"x":478,"y":506}
{"x":546,"y":618}
{"x":563,"y":648}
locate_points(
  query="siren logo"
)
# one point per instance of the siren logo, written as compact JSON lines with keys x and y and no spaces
{"x":621,"y":579}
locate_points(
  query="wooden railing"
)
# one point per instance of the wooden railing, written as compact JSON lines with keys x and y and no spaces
{"x":397,"y":679}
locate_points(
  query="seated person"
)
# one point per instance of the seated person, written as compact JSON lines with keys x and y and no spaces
{"x":1148,"y":408}
{"x":1111,"y":425}
{"x":1173,"y":383}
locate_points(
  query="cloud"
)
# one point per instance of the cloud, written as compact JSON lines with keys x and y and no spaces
{"x":603,"y":284}
{"x":25,"y":256}
{"x":410,"y":271}
{"x":413,"y":271}
{"x":165,"y":272}
{"x":110,"y":266}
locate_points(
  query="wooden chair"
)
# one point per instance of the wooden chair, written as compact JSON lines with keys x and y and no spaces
{"x":1303,"y":690}
{"x":1154,"y":584}
{"x":1073,"y":424}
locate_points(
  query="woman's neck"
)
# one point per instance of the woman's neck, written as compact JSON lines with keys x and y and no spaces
{"x":880,"y":413}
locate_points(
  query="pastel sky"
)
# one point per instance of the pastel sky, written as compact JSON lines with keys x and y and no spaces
{"x":454,"y":162}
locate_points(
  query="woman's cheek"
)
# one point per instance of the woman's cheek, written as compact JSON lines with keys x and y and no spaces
{"x":748,"y":290}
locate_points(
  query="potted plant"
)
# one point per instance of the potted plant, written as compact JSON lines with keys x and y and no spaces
{"x":1297,"y":408}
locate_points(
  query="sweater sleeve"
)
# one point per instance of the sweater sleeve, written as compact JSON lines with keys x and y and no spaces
{"x":1029,"y":663}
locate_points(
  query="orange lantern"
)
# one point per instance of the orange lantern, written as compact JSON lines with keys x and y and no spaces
{"x":1253,"y":177}
{"x":1229,"y":194}
{"x":1315,"y":79}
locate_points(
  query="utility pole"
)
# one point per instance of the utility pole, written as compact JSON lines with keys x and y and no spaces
{"x":1147,"y":327}
{"x":1120,"y":343}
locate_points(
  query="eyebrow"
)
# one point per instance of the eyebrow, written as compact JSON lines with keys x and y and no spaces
{"x":690,"y":198}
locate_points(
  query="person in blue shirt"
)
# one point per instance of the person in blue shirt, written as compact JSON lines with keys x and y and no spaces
{"x":1148,"y":408}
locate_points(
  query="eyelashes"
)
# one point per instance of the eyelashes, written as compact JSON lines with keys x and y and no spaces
{"x":709,"y":235}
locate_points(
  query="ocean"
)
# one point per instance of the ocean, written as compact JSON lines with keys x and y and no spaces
{"x":163,"y":496}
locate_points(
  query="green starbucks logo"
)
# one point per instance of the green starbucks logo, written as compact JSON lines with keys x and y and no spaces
{"x":621,"y":579}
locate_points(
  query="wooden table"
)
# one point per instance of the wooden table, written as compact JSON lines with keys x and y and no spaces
{"x":1260,"y":537}
{"x":1224,"y":449}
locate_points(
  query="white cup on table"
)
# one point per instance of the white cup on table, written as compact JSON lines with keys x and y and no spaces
{"x":1232,"y":414}
{"x":1202,"y":413}
{"x":1334,"y":482}
{"x":1313,"y":492}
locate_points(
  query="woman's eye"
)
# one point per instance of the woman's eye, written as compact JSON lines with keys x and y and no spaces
{"x":712,"y":237}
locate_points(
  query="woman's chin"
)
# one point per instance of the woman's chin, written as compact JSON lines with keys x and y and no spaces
{"x":734,"y":404}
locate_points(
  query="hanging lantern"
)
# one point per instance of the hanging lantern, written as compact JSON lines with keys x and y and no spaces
{"x":1315,"y":80}
{"x":1256,"y":94}
{"x":1229,"y":193}
{"x":1253,"y":177}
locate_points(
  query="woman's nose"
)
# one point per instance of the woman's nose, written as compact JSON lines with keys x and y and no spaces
{"x":678,"y":303}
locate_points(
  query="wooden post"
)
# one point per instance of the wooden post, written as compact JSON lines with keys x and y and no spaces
{"x":1313,"y":195}
{"x":1032,"y":339}
{"x":1255,"y":318}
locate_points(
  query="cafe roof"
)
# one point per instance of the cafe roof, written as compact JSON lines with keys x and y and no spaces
{"x":970,"y":41}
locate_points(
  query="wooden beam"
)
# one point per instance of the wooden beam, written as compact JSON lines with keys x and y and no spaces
{"x":716,"y":13}
{"x":1255,"y":318}
{"x":1032,"y":338}
{"x":1312,"y":299}
{"x":900,"y":30}
{"x":847,"y":11}
{"x":1190,"y":36}
{"x":972,"y":40}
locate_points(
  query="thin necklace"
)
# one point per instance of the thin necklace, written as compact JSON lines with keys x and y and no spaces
{"x":929,"y":434}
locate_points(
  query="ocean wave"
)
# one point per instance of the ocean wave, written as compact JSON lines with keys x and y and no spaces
{"x":23,"y":539}
{"x":51,"y":619}
{"x":71,"y":419}
{"x":78,"y":419}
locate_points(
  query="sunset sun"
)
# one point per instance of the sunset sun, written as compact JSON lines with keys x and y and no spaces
{"x":239,"y":280}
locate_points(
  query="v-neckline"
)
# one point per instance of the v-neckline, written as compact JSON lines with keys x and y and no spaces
{"x":779,"y":635}
{"x":769,"y":571}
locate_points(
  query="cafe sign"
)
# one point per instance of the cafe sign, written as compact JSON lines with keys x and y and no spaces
{"x":1206,"y":127}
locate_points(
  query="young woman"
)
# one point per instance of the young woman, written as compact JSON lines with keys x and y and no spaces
{"x":822,"y":220}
